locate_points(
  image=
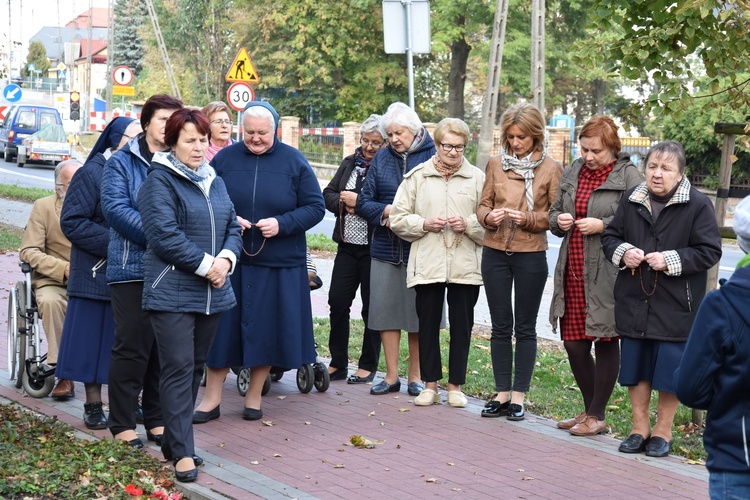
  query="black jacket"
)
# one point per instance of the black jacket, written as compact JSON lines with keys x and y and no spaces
{"x":687,"y":234}
{"x":714,"y":373}
{"x":332,"y":195}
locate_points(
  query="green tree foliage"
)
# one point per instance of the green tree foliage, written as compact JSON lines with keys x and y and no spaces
{"x":38,"y":57}
{"x":670,"y":44}
{"x":321,"y":55}
{"x":128,"y":49}
{"x":694,"y":128}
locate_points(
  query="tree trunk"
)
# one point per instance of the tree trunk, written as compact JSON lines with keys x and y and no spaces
{"x":600,"y":88}
{"x":457,"y":76}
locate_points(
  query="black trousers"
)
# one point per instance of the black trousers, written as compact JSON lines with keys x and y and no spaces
{"x":461,"y":302}
{"x":351,"y":270}
{"x":524,"y":273}
{"x":183,"y":340}
{"x":135,"y":362}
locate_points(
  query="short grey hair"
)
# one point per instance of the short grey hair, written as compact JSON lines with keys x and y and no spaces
{"x":372,"y":124}
{"x":60,"y":166}
{"x":400,"y":115}
{"x":669,"y":148}
{"x":259,"y":112}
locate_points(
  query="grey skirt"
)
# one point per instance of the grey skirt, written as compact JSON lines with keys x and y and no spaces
{"x":392,"y":305}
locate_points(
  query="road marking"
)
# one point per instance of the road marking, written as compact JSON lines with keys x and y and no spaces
{"x":29,"y":176}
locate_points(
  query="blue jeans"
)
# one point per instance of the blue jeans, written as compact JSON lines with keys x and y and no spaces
{"x":729,"y":485}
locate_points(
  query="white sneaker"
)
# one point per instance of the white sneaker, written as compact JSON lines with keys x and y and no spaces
{"x":457,"y":399}
{"x":427,"y":397}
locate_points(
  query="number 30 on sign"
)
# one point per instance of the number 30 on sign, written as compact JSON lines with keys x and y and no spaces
{"x":239,"y":95}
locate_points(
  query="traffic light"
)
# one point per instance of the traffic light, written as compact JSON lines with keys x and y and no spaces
{"x":75,"y":105}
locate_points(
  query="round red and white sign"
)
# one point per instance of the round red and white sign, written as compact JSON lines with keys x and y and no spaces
{"x":122,"y":75}
{"x":239,"y":95}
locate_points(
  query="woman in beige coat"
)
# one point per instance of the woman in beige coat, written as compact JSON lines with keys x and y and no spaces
{"x":583,"y":301}
{"x":434,"y":209}
{"x":520,"y":187}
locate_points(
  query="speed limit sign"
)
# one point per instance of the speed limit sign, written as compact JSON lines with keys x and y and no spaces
{"x":239,"y":95}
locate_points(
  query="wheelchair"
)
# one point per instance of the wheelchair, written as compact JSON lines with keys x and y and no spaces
{"x":26,"y":366}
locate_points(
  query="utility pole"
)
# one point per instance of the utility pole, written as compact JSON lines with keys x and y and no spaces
{"x":110,"y":51}
{"x":89,"y":99}
{"x":537,"y":54}
{"x":489,"y":107}
{"x":163,"y":50}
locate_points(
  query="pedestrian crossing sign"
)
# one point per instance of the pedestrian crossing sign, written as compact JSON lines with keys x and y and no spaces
{"x":242,"y":69}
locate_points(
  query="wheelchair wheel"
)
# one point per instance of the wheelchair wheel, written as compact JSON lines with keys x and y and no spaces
{"x":243,"y":381}
{"x":322,"y":377}
{"x":17,"y":341}
{"x":266,"y":385}
{"x":37,"y":387}
{"x":305,"y":378}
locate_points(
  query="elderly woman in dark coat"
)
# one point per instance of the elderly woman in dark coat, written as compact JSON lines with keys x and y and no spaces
{"x":392,"y":305}
{"x":664,"y":238}
{"x":351,"y":269}
{"x":277,"y":198}
{"x":193,"y":244}
{"x":89,"y":329}
{"x":583,"y":301}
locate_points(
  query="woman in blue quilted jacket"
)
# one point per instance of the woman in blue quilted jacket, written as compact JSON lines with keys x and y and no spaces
{"x":193,"y":243}
{"x":392,"y":305}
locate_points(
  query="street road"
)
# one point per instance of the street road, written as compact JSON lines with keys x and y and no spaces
{"x":42,"y":176}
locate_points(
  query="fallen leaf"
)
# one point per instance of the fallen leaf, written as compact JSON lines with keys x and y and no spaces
{"x":280,"y":397}
{"x":339,"y":466}
{"x":431,"y":480}
{"x":521,"y":470}
{"x":268,"y":423}
{"x":371,"y":414}
{"x":363,"y":442}
{"x":386,"y":469}
{"x":402,"y":410}
{"x":277,"y":455}
{"x":451,"y":464}
{"x":382,"y":423}
{"x":254,"y":462}
{"x":455,"y":489}
{"x":308,"y":423}
{"x":221,"y":445}
{"x":528,"y":478}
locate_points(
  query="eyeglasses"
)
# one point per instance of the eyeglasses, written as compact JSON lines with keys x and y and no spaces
{"x":62,"y":184}
{"x":374,"y":144}
{"x":458,"y":147}
{"x":222,"y":122}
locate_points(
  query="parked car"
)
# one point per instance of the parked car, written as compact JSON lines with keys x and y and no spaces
{"x":21,"y":121}
{"x":49,"y":144}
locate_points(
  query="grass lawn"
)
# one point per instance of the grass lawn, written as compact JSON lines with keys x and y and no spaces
{"x":554,"y":393}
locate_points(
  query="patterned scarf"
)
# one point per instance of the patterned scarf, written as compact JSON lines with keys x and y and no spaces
{"x":524,"y":168}
{"x":445,"y":170}
{"x":361,"y":164}
{"x":194,"y":175}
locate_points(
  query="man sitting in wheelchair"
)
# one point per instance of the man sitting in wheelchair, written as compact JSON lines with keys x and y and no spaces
{"x":47,"y":250}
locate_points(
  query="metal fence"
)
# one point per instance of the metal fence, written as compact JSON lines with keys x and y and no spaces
{"x":322,"y":145}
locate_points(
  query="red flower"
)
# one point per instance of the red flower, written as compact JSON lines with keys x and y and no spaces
{"x":133,"y":490}
{"x":161,"y":495}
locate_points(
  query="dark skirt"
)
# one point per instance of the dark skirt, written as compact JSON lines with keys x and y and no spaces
{"x":271,"y":325}
{"x":87,"y":340}
{"x":654,"y":361}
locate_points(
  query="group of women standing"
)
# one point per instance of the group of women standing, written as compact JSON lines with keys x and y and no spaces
{"x":439,"y":224}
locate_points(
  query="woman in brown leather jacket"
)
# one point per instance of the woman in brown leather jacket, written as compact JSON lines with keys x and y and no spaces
{"x":520,"y":186}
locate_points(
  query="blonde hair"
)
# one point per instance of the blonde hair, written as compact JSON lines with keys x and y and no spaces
{"x":529,"y":119}
{"x":215,"y":107}
{"x":451,"y":125}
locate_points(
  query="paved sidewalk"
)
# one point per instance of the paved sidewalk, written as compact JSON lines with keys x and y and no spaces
{"x":298,"y":450}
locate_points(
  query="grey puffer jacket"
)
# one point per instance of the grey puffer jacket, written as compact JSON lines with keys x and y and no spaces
{"x":599,"y":274}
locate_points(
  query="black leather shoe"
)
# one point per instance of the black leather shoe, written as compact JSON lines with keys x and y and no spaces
{"x":187,"y":476}
{"x":515,"y":412}
{"x":136,"y":443}
{"x":93,"y":416}
{"x":165,"y":450}
{"x":414,"y":388}
{"x":156,"y":438}
{"x":201,"y":417}
{"x":252,"y":414}
{"x":339,"y":374}
{"x":356,"y":379}
{"x":635,"y":443}
{"x":384,"y":388}
{"x":658,"y":447}
{"x":494,"y":409}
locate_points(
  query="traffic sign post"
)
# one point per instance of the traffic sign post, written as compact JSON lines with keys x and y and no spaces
{"x":239,"y":95}
{"x":242,"y":69}
{"x":122,"y":75}
{"x":12,"y":93}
